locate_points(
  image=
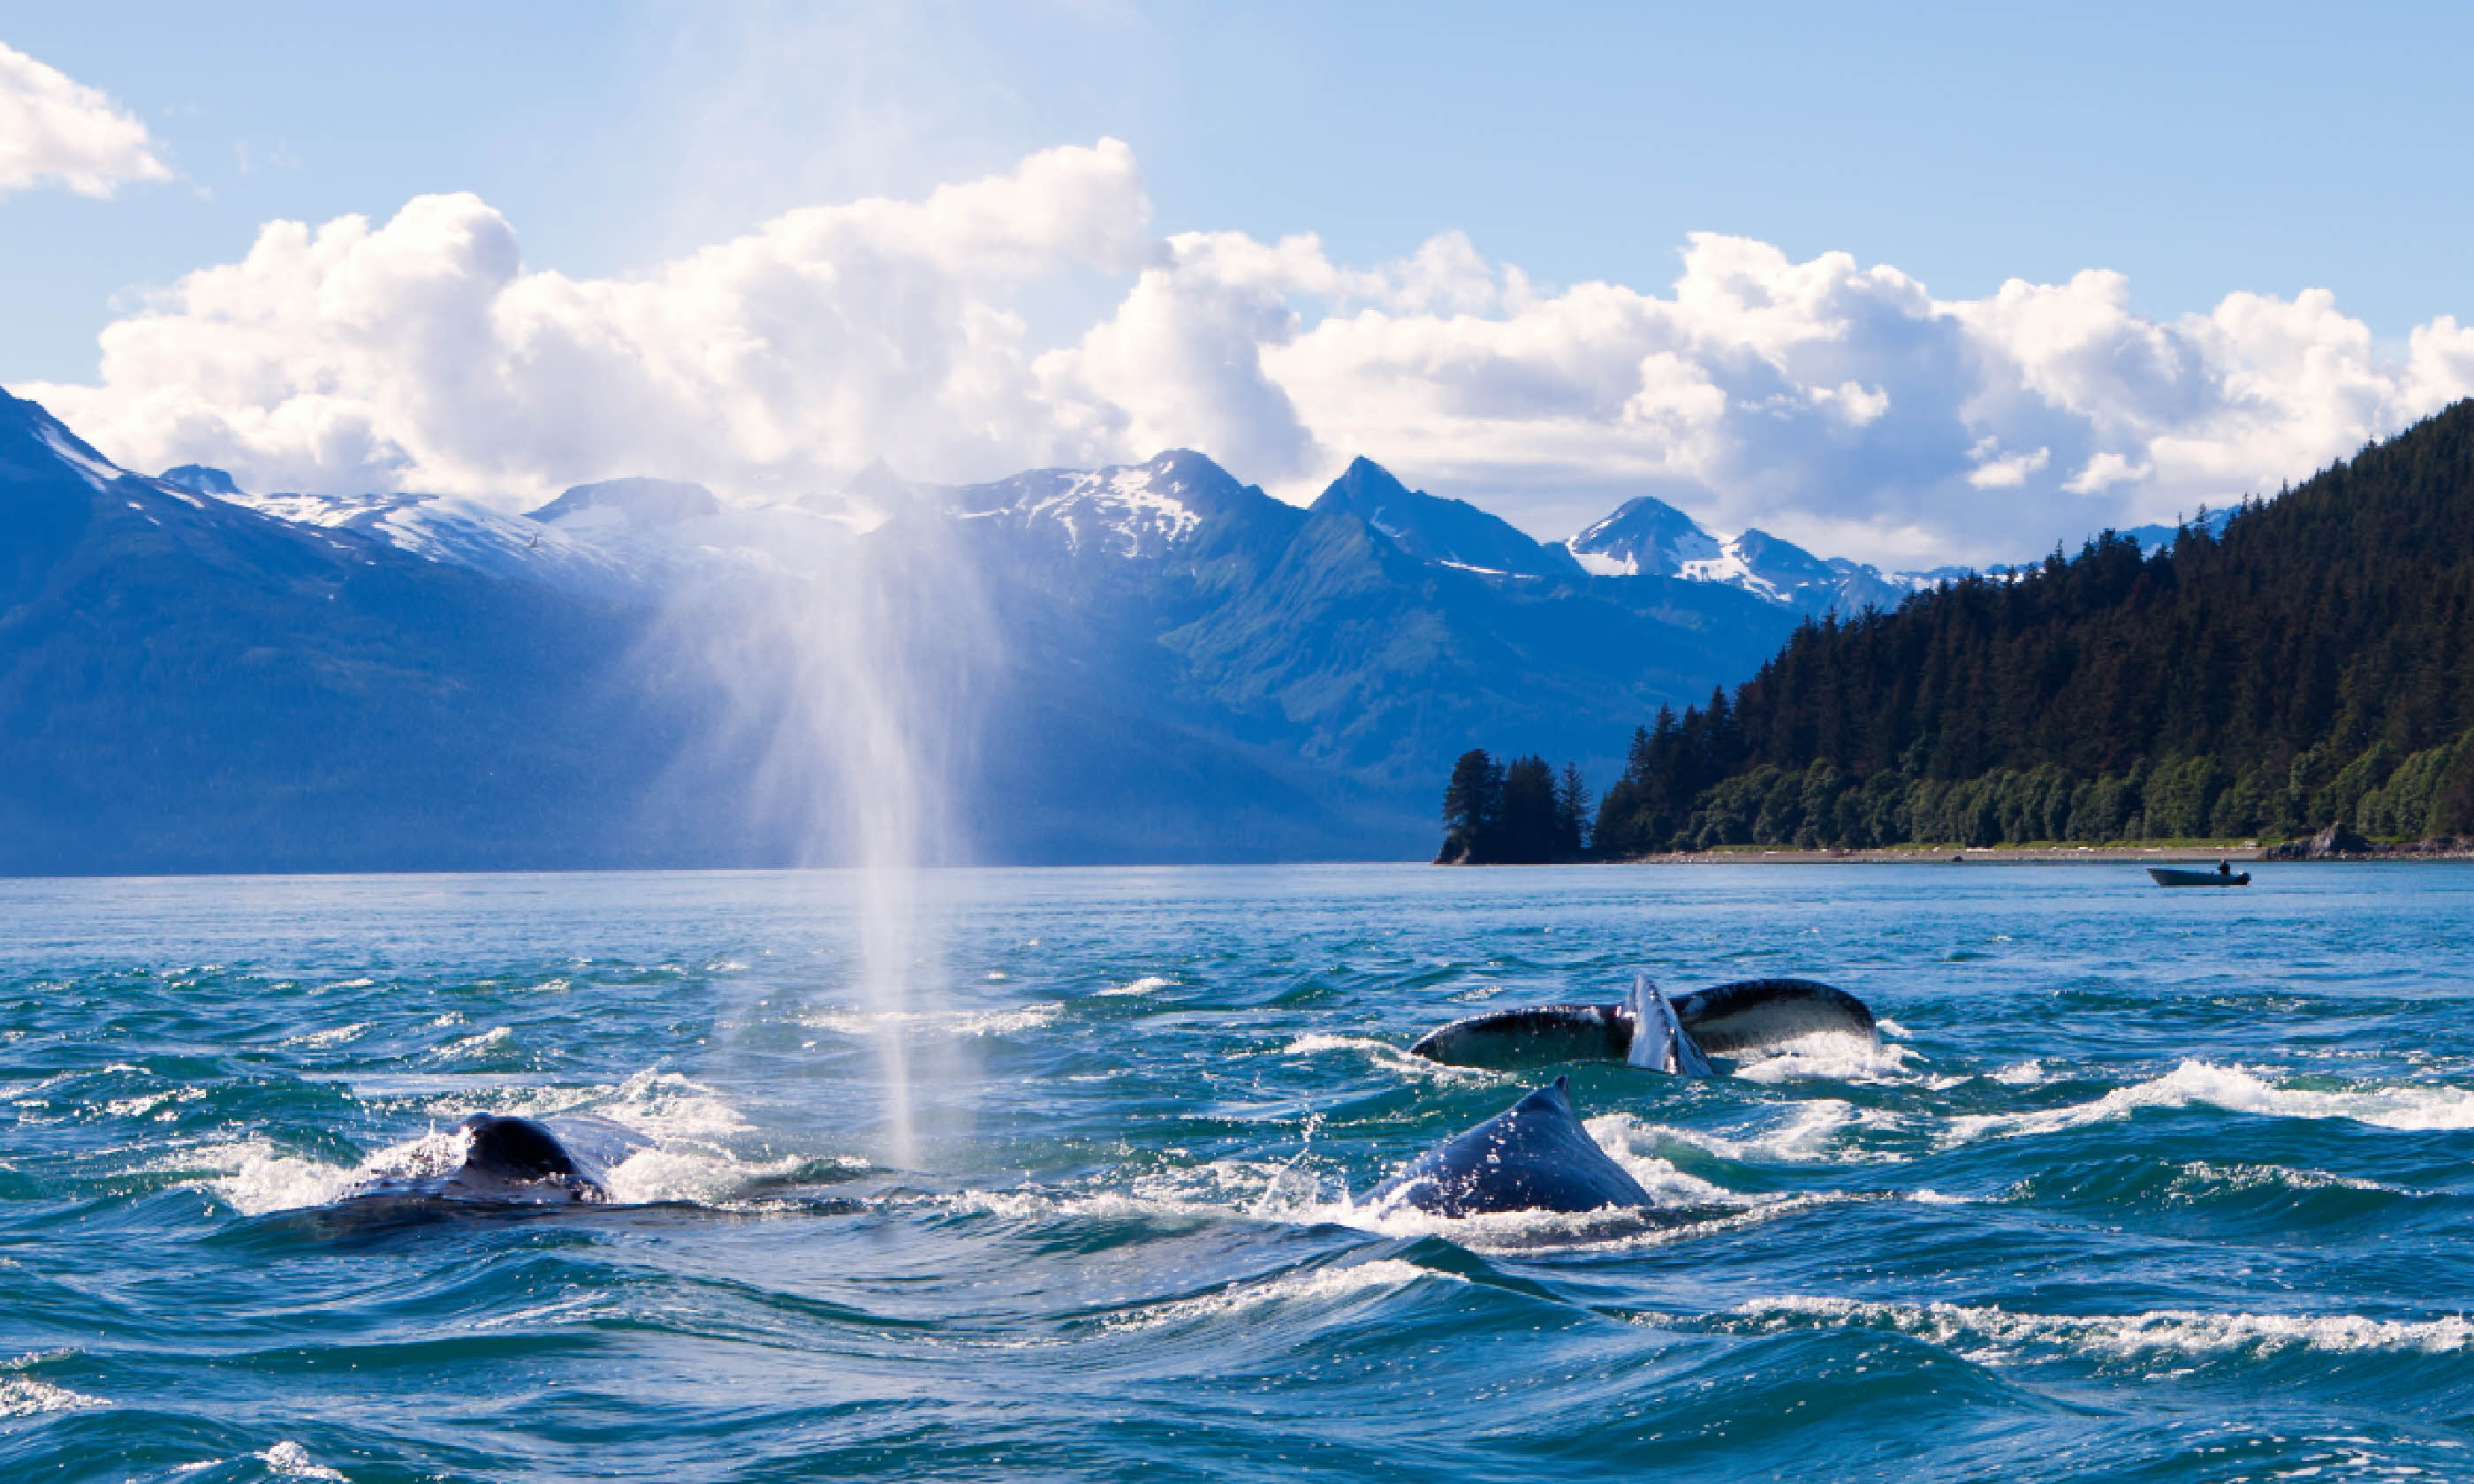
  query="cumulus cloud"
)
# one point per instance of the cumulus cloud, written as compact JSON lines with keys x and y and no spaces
{"x":1833,"y":402}
{"x":424,"y":354}
{"x":55,"y":131}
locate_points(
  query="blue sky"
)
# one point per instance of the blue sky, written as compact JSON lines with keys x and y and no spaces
{"x":2197,"y":151}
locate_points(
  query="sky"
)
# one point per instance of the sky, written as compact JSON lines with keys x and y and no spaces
{"x":1912,"y":284}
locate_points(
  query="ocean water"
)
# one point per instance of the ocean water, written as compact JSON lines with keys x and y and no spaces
{"x":2139,"y":1184}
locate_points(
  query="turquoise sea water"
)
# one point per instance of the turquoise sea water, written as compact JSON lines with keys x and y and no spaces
{"x":2141,"y":1184}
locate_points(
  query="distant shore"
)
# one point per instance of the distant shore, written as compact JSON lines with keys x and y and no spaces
{"x":1970,"y":856}
{"x":2443,"y":850}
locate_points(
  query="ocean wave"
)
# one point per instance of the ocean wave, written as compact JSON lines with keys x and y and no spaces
{"x":1316,"y":1285}
{"x":1993,"y":1334}
{"x":23,"y":1396}
{"x":1831,"y":1056}
{"x":2236,"y":1090}
{"x":687,"y":1158}
{"x":1815,"y":1131}
{"x":291,"y":1461}
{"x":1388,"y":1057}
{"x":1145,"y":985}
{"x":947,"y":1023}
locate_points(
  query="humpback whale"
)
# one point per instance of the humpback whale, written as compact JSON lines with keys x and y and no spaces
{"x":1649,"y":1030}
{"x":1535,"y":1156}
{"x":489,"y":1157}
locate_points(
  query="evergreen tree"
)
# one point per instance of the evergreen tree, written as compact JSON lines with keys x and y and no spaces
{"x":2312,"y":662}
{"x":1571,"y":815}
{"x":1472,"y":808}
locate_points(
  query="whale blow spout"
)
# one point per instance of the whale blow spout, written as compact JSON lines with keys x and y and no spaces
{"x":1535,"y":1156}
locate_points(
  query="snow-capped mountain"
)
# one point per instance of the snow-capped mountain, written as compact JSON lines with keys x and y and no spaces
{"x":1142,"y":510}
{"x":1649,"y":538}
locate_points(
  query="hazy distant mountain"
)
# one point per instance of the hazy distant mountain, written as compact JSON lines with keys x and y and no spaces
{"x":1173,"y":665}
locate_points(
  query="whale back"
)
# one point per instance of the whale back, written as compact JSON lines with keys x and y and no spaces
{"x":1534,"y":1156}
{"x":507,"y":1159}
{"x":516,"y":1149}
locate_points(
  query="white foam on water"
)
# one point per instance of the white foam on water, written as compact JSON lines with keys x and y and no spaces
{"x":291,"y":1461}
{"x":703,"y":1176}
{"x":1384,"y":1054}
{"x":1994,"y":1334}
{"x":23,"y":1396}
{"x":947,"y":1023}
{"x":257,"y":1178}
{"x":472,"y":1045}
{"x":1892,"y":1028}
{"x":1814,"y":1132}
{"x":146,"y":1103}
{"x":689,"y":1158}
{"x":2029,"y":1073}
{"x":1320,"y":1284}
{"x":2236,"y":1090}
{"x":1145,"y":985}
{"x":1831,"y":1056}
{"x":333,"y":1038}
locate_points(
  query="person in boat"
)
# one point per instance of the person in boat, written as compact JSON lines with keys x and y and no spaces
{"x":2225,"y":868}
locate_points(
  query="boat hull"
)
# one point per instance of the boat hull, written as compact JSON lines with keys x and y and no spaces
{"x":2168,"y":875}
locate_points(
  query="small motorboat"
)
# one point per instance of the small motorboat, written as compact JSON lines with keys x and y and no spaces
{"x":2224,"y":875}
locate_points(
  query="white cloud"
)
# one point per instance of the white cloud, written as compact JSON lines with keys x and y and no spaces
{"x":1825,"y":400}
{"x":424,"y":354}
{"x":55,"y":131}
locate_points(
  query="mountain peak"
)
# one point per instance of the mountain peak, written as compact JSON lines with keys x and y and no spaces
{"x":1436,"y":530}
{"x":201,"y":479}
{"x":651,"y":501}
{"x":1645,"y":536}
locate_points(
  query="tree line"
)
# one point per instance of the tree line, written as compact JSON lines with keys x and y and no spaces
{"x":1512,"y":814}
{"x":2309,"y":664}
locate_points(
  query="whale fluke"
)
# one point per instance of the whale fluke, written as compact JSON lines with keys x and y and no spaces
{"x":1720,"y":1022}
{"x":1659,"y":1040}
{"x":1535,"y":1156}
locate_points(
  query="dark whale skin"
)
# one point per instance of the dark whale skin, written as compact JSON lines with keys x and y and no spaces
{"x":1728,"y":1019}
{"x":515,"y":1160}
{"x":1534,"y":1156}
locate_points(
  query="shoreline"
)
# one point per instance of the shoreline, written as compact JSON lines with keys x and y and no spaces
{"x":2040,"y":856}
{"x":1970,"y":856}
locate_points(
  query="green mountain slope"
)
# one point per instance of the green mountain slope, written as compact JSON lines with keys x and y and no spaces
{"x":2310,"y":665}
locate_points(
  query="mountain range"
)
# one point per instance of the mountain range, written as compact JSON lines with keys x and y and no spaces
{"x":1165,"y":663}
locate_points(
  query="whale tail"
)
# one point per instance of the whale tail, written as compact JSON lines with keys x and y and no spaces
{"x":1659,"y":1040}
{"x":1650,"y":1030}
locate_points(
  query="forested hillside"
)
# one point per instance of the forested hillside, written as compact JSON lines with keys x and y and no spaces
{"x":2307,"y":665}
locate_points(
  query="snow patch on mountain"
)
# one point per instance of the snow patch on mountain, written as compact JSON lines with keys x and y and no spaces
{"x":1144,"y":510}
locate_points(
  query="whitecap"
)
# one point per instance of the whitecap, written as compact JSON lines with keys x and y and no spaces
{"x":1319,"y":1283}
{"x":1145,"y":985}
{"x":291,"y":1461}
{"x":2237,"y":1090}
{"x":1384,"y":1054}
{"x":1830,"y":1056}
{"x":472,"y":1046}
{"x":23,"y":1396}
{"x":1991,"y":1333}
{"x":951,"y":1023}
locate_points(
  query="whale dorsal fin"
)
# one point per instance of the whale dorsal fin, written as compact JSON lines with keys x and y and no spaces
{"x":1660,"y":1041}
